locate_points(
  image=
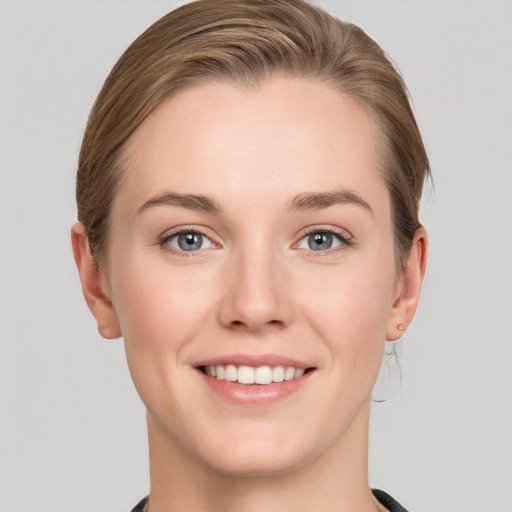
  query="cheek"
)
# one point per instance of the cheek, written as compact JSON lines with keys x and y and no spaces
{"x":350,"y":310}
{"x":161,"y":312}
{"x":160,"y":309}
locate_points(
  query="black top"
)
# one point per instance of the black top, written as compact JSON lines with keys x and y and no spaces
{"x":383,"y":498}
{"x":390,"y":503}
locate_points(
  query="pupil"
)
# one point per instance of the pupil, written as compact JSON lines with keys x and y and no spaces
{"x":190,"y":241}
{"x":320,"y":241}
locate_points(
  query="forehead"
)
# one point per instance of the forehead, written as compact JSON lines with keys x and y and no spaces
{"x":287,"y":136}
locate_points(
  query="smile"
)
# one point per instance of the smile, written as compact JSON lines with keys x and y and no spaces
{"x":255,"y":380}
{"x":249,"y":375}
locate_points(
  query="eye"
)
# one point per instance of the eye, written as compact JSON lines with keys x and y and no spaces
{"x":187,"y":241}
{"x":322,"y":241}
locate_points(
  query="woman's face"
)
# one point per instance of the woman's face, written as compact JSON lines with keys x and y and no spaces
{"x":252,"y":233}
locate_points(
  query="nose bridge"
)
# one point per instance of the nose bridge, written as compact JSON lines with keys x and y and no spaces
{"x":255,"y":293}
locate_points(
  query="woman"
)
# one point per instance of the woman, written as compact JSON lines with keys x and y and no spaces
{"x":248,"y":193}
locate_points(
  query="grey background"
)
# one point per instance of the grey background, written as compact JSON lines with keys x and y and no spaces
{"x":72,"y":429}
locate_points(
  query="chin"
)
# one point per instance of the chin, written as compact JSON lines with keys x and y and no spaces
{"x":242,"y":464}
{"x":252,"y":454}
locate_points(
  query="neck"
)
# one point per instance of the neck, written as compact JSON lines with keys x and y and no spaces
{"x":336,"y":480}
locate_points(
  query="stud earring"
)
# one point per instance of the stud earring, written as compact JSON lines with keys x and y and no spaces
{"x":400,"y":327}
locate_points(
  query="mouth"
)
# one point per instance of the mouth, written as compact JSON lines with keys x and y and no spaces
{"x":255,"y":379}
{"x":249,"y":375}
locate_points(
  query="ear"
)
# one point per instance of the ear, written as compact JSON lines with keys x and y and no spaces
{"x":408,"y":287}
{"x":94,"y":285}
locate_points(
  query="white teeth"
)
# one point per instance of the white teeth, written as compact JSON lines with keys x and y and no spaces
{"x":289,"y":373}
{"x":245,"y":375}
{"x":249,"y":375}
{"x":231,"y":373}
{"x":278,"y":374}
{"x":263,"y":375}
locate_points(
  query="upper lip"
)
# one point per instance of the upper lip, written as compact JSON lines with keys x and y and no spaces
{"x":254,"y":360}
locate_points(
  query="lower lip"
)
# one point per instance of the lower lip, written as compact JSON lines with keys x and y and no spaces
{"x":255,"y":394}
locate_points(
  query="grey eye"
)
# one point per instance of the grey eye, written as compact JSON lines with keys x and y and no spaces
{"x":189,"y":241}
{"x":320,"y":241}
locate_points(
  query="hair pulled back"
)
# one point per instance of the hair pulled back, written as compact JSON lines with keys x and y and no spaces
{"x":246,"y":42}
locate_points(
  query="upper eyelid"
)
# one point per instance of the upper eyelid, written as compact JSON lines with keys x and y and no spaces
{"x":170,"y":232}
{"x":343,"y":233}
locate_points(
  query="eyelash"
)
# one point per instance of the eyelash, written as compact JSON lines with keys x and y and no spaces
{"x":346,"y":240}
{"x":163,"y":241}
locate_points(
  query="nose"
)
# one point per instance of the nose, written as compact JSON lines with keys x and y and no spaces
{"x":256,"y":293}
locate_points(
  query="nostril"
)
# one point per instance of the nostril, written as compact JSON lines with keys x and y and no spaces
{"x":256,"y":325}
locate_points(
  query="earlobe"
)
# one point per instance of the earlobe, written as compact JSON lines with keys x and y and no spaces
{"x":93,"y":285}
{"x":409,"y":287}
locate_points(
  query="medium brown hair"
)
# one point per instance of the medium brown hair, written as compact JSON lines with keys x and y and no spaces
{"x":246,"y":42}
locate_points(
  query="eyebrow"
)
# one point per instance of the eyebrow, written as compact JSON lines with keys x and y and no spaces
{"x":320,"y":200}
{"x":198,"y":202}
{"x":300,"y":202}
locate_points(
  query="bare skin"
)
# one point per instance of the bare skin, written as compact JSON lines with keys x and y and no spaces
{"x":287,"y":254}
